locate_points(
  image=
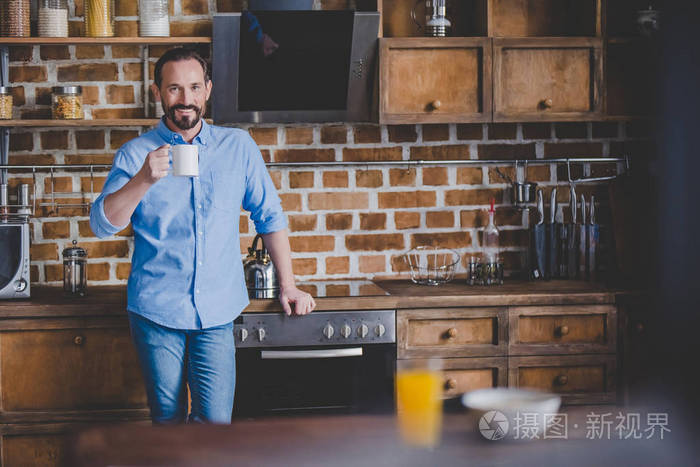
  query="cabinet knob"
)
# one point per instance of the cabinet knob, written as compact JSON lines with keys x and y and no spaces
{"x":450,"y":383}
{"x":435,"y":105}
{"x":561,"y":380}
{"x":452,"y":332}
{"x":78,"y":340}
{"x":546,"y":103}
{"x":563,"y":330}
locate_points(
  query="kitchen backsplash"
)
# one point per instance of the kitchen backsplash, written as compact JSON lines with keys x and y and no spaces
{"x":344,"y":221}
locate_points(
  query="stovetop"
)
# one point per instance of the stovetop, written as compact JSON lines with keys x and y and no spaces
{"x":342,"y":288}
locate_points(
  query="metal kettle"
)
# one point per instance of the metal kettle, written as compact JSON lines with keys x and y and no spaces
{"x":260,"y":273}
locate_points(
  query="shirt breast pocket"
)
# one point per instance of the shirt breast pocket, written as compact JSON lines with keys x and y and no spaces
{"x":226,"y":190}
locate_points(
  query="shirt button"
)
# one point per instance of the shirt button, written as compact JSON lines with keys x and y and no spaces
{"x":197,"y":291}
{"x":199,"y":205}
{"x":200,"y":263}
{"x":201,"y":233}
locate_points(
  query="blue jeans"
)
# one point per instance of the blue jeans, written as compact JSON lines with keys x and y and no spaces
{"x":204,"y":359}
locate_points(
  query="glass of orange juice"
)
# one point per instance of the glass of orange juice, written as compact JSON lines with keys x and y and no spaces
{"x":419,"y":401}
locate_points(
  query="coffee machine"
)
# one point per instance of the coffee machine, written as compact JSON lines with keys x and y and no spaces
{"x":14,"y":244}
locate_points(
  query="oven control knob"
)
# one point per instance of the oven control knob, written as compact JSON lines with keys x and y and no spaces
{"x":362,"y":331}
{"x":243,"y":334}
{"x":380,"y":330}
{"x":261,"y":334}
{"x":328,"y":331}
{"x":345,"y":331}
{"x":20,"y":285}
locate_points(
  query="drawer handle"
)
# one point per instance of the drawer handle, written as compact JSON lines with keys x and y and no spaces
{"x":78,"y":340}
{"x":435,"y":105}
{"x":546,"y":103}
{"x":561,"y":380}
{"x":563,"y":330}
{"x":451,"y":333}
{"x":450,"y":383}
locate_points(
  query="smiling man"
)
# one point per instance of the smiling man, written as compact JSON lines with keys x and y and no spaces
{"x":186,"y":283}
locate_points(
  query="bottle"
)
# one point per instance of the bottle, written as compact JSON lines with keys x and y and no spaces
{"x":67,"y":102}
{"x":99,"y":18}
{"x":53,"y":18}
{"x":490,"y":247}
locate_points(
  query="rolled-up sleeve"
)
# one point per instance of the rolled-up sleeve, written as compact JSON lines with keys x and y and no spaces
{"x":117,"y":178}
{"x":261,"y":197}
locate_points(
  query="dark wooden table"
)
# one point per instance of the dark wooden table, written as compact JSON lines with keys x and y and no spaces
{"x":354,"y":440}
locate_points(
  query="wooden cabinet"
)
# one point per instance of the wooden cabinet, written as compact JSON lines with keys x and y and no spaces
{"x":434,"y":80}
{"x":547,"y":79}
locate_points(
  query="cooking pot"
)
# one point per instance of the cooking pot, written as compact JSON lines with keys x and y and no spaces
{"x":260,"y":273}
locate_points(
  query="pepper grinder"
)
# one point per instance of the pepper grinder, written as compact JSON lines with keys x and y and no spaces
{"x":75,"y":271}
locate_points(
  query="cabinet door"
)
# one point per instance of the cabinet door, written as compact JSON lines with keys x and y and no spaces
{"x":572,"y":329}
{"x":434,"y":80}
{"x":451,"y":332}
{"x":579,"y":379}
{"x":547,"y":79}
{"x":91,"y":366}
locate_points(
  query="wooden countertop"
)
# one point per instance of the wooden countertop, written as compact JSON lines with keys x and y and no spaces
{"x":111,"y":300}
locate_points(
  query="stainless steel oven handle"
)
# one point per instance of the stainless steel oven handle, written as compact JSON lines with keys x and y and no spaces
{"x":309,"y":354}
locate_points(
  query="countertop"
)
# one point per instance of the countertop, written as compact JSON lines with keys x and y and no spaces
{"x":395,"y":294}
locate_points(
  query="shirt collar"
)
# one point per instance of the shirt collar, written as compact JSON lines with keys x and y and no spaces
{"x":174,"y":138}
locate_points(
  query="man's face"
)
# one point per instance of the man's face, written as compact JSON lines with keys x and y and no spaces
{"x":183,"y":92}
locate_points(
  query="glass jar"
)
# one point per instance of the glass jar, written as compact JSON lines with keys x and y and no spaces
{"x":53,"y":18}
{"x":75,"y":271}
{"x":153,"y":18}
{"x":99,"y":18}
{"x":5,"y":103}
{"x":67,"y":102}
{"x":15,"y":18}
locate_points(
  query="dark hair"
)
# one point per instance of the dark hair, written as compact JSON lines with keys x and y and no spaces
{"x":175,"y":55}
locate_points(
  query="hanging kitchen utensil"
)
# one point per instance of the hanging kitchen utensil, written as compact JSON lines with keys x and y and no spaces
{"x":593,"y":238}
{"x":583,"y":242}
{"x":573,"y":236}
{"x":553,"y":234}
{"x":539,"y":242}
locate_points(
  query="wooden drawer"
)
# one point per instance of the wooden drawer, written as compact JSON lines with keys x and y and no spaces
{"x":539,"y":330}
{"x":580,"y":379}
{"x":547,"y":79}
{"x":91,"y":367}
{"x":434,"y":80}
{"x":451,"y":332}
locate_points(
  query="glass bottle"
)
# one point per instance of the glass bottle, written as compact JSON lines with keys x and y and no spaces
{"x":5,"y":103}
{"x":67,"y":102}
{"x":153,"y":18}
{"x":491,"y":238}
{"x":99,"y":18}
{"x":75,"y":270}
{"x":15,"y":18}
{"x":53,"y":18}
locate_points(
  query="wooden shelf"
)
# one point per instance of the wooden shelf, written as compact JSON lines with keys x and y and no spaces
{"x":81,"y":123}
{"x":103,"y":40}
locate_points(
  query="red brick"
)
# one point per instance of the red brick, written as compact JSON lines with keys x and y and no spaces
{"x":43,"y":251}
{"x":495,"y":177}
{"x":243,"y":224}
{"x":21,"y":141}
{"x":31,"y":159}
{"x":276,"y":177}
{"x":28,"y":74}
{"x":337,"y":265}
{"x":506,"y":215}
{"x":91,"y":95}
{"x":436,"y":132}
{"x":291,"y":201}
{"x":603,"y":170}
{"x":473,"y":197}
{"x":21,"y":53}
{"x":639,"y":129}
{"x":537,"y":130}
{"x":125,"y":51}
{"x":59,"y":229}
{"x":60,"y":184}
{"x":120,"y":94}
{"x":556,"y":150}
{"x":312,"y":243}
{"x":506,"y":151}
{"x":373,"y":221}
{"x":301,"y":179}
{"x":402,"y":177}
{"x":18,"y":96}
{"x":107,"y":249}
{"x":299,"y":135}
{"x":302,"y":222}
{"x":538,"y":173}
{"x":117,"y":113}
{"x":98,"y":271}
{"x":368,"y":134}
{"x":54,"y":272}
{"x":439,"y":219}
{"x":605,"y":129}
{"x":406,"y":220}
{"x":199,"y":28}
{"x":119,"y":137}
{"x":503,"y":130}
{"x":571,"y":130}
{"x":87,"y":72}
{"x":92,"y":51}
{"x":370,"y":264}
{"x":123,"y":270}
{"x":125,"y":28}
{"x":338,"y":221}
{"x":402,"y":133}
{"x":399,"y":264}
{"x":34,"y":273}
{"x":335,"y":179}
{"x":194,"y":7}
{"x":304,"y":155}
{"x":372,"y":154}
{"x":133,"y":71}
{"x":335,"y":201}
{"x":304,"y":266}
{"x":127,"y":9}
{"x":90,"y":139}
{"x":369,"y":178}
{"x":470,"y":219}
{"x":469,"y":176}
{"x":88,"y":158}
{"x":447,"y":152}
{"x":264,"y":136}
{"x":406,"y":199}
{"x":336,"y":134}
{"x":374,"y":242}
{"x":54,"y":52}
{"x":509,"y":238}
{"x":443,"y":239}
{"x":435,"y":176}
{"x":470,"y":131}
{"x":54,"y":140}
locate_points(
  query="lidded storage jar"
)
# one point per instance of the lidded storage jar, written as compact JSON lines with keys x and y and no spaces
{"x":75,"y":270}
{"x":5,"y":103}
{"x":53,"y":18}
{"x":99,"y":18}
{"x":14,"y":18}
{"x":153,"y":18}
{"x":67,"y":102}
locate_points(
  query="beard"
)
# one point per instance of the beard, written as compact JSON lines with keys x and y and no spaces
{"x":185,"y":123}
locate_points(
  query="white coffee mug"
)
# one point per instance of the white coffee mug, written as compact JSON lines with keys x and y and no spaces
{"x":185,"y":160}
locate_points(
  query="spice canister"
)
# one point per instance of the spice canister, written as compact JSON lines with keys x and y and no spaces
{"x":99,"y":18}
{"x":153,"y":18}
{"x":5,"y":103}
{"x":67,"y":102}
{"x":53,"y":18}
{"x":15,"y":18}
{"x":75,"y":270}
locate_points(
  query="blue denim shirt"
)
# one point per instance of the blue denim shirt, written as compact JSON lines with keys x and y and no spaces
{"x":186,"y":270}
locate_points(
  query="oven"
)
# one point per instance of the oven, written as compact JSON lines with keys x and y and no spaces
{"x":324,"y":362}
{"x":14,"y":259}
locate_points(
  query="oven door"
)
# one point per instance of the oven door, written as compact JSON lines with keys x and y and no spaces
{"x":315,"y":379}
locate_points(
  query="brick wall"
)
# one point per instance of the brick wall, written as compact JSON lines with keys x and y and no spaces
{"x":344,"y":221}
